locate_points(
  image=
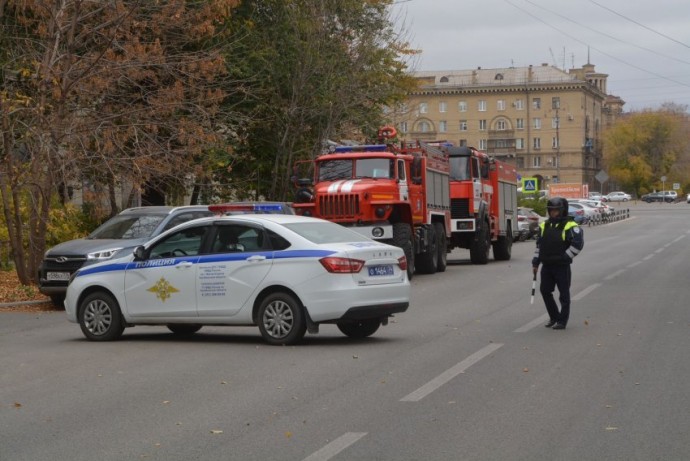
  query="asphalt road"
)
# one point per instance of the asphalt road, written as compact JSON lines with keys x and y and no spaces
{"x":468,"y":373}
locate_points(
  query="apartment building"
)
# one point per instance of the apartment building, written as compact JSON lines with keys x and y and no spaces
{"x":546,"y":121}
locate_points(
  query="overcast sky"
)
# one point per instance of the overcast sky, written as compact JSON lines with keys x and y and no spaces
{"x":644,"y":46}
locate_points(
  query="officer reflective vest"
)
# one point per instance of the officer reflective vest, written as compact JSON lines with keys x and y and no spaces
{"x":553,"y":244}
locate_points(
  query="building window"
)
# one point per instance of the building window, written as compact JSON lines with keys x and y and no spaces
{"x":403,"y":127}
{"x":423,"y":108}
{"x":536,"y":160}
{"x":520,"y":143}
{"x":536,"y":103}
{"x":442,"y":107}
{"x":555,"y":122}
{"x":482,"y":125}
{"x":554,"y":142}
{"x":443,"y":126}
{"x":556,"y":102}
{"x":462,"y":106}
{"x":520,"y":162}
{"x":501,"y":144}
{"x":536,"y":143}
{"x":481,"y":105}
{"x":520,"y":123}
{"x":463,"y":125}
{"x":463,"y":143}
{"x":501,"y":104}
{"x":536,"y":123}
{"x":482,"y":144}
{"x":424,"y":127}
{"x":501,"y":125}
{"x":519,"y":104}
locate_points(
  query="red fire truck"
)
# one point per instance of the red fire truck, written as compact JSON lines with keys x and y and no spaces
{"x":400,"y":195}
{"x":483,"y":201}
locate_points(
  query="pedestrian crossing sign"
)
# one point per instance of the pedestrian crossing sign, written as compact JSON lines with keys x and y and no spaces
{"x":529,"y":185}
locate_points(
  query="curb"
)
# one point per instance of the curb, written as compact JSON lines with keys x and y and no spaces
{"x":24,"y":303}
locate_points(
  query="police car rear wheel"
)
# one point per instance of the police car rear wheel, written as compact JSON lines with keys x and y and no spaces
{"x":100,"y":318}
{"x":281,"y":319}
{"x":359,"y":328}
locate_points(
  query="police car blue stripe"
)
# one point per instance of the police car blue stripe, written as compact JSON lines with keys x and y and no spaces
{"x":155,"y":263}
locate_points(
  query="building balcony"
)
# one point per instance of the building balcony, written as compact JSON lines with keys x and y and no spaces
{"x":502,"y":134}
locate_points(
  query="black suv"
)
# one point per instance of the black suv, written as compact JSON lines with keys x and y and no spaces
{"x":132,"y":227}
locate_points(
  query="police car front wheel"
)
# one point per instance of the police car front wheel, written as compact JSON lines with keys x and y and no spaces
{"x":100,"y":318}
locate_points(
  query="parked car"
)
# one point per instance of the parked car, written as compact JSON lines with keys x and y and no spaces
{"x":617,"y":196}
{"x":128,"y":229}
{"x":577,"y":213}
{"x":590,"y":212}
{"x":528,"y":223}
{"x":594,"y":196}
{"x":284,"y":273}
{"x":605,"y":210}
{"x":688,"y":198}
{"x":668,"y":196}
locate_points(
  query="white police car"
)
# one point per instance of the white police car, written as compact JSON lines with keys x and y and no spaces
{"x":285,"y":273}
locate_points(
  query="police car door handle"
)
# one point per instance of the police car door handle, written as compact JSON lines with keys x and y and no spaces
{"x":256,"y":258}
{"x":184,"y":265}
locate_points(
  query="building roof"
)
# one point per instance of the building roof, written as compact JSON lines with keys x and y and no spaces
{"x":500,"y":76}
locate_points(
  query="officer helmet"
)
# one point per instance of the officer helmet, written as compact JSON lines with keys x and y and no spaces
{"x":560,"y":204}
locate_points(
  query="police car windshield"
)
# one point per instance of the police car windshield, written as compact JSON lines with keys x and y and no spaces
{"x":128,"y":227}
{"x":326,"y":232}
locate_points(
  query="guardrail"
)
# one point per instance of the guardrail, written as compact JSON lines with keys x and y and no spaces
{"x":617,"y":215}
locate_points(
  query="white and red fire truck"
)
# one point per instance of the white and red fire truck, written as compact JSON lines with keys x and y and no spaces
{"x":400,"y":195}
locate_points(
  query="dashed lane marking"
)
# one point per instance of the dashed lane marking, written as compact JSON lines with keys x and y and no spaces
{"x":335,"y":447}
{"x":449,"y":374}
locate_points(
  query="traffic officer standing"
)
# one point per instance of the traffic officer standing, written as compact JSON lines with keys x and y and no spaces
{"x":560,"y":239}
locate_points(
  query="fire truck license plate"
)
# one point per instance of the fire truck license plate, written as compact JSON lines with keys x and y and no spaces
{"x":381,"y":270}
{"x":58,"y":276}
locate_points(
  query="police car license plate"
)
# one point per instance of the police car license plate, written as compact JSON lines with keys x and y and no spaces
{"x":58,"y":276}
{"x":381,"y":270}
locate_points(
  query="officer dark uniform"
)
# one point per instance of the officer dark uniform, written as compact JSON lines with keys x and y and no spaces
{"x":560,"y":239}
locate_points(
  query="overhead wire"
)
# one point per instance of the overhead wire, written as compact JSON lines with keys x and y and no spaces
{"x":596,"y":49}
{"x":639,"y":24}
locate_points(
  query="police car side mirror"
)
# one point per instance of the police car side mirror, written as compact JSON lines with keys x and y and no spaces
{"x":139,"y":253}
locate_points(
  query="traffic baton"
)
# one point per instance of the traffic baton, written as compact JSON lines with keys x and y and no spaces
{"x":534,"y":285}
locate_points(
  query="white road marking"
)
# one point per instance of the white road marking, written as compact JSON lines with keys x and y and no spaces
{"x":449,"y":374}
{"x":678,"y":239}
{"x":636,"y":263}
{"x":585,"y":292}
{"x":615,"y":274}
{"x":532,"y":324}
{"x":647,"y":257}
{"x":335,"y":447}
{"x":659,"y":250}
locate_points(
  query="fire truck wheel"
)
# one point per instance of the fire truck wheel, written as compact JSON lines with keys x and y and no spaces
{"x":402,"y":238}
{"x":442,"y":247}
{"x":427,"y":258}
{"x":504,"y":246}
{"x":359,"y":328}
{"x":479,"y":250}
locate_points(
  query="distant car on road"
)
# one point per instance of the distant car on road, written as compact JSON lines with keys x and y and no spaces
{"x":616,"y":196}
{"x":282,"y":273}
{"x":668,"y":196}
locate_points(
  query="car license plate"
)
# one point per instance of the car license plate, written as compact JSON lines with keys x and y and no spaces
{"x":58,"y":276}
{"x":381,"y":270}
